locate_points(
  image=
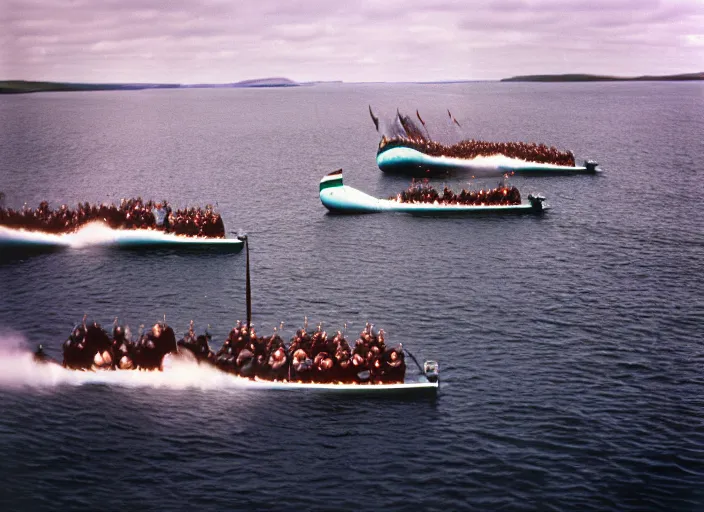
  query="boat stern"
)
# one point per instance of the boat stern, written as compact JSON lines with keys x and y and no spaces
{"x":431,"y":370}
{"x":591,"y":166}
{"x":536,"y":201}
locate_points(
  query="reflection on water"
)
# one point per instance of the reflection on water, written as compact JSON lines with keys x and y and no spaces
{"x":571,"y":365}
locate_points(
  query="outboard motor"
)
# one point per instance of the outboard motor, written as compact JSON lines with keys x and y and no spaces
{"x":591,"y":165}
{"x":536,"y":201}
{"x":431,"y":370}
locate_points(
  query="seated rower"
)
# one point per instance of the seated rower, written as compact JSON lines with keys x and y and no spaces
{"x":301,"y":366}
{"x":89,"y":346}
{"x":122,"y":348}
{"x":154,"y":345}
{"x":199,"y":345}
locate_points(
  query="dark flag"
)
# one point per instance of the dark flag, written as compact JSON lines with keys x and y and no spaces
{"x":452,"y":118}
{"x":423,"y":123}
{"x":374,"y":118}
{"x":410,"y":127}
{"x":403,"y":125}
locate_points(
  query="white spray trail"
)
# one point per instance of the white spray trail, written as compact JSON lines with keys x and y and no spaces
{"x":18,"y":369}
{"x":92,"y":234}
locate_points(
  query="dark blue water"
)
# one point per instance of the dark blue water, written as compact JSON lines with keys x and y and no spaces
{"x":571,"y":345}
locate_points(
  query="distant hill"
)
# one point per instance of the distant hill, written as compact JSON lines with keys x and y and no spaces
{"x":602,"y":78}
{"x":266,"y":82}
{"x":23,"y":86}
{"x":257,"y":82}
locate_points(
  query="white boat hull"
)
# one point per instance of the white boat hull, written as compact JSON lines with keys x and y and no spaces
{"x":366,"y":389}
{"x":182,"y":373}
{"x":103,"y":236}
{"x":340,"y":198}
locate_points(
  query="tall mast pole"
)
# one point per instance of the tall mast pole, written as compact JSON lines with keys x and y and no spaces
{"x":248,"y":288}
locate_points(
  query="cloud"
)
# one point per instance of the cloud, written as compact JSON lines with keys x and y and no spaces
{"x":229,"y":40}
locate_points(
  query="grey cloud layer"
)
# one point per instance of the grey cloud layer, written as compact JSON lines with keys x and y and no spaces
{"x":220,"y":41}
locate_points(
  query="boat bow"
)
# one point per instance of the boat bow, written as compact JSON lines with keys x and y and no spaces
{"x":339,"y":198}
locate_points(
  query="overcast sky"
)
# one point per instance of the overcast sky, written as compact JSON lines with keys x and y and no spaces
{"x":219,"y":41}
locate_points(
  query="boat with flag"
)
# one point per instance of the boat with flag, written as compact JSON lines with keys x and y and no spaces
{"x":408,"y":158}
{"x":343,"y":199}
{"x":406,"y":148}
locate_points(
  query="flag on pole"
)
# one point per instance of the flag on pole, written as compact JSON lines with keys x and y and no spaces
{"x":374,"y":118}
{"x":452,"y":118}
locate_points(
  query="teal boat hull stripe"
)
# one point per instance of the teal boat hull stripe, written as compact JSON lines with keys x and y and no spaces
{"x":345,"y":199}
{"x":403,"y":160}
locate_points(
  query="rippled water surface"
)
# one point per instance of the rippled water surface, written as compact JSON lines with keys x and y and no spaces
{"x":571,"y":345}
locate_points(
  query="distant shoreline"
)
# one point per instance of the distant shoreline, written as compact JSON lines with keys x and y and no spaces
{"x":604,"y":78}
{"x":26,"y":86}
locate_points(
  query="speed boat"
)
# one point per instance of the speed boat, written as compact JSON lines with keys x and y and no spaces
{"x":340,"y":198}
{"x":99,"y":367}
{"x":98,"y":234}
{"x":399,"y":159}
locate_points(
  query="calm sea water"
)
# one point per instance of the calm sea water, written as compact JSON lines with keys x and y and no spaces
{"x":571,"y":345}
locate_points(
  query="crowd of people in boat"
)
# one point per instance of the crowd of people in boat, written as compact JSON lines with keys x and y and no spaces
{"x":424,"y":192}
{"x":129,"y":214}
{"x":307,"y":357}
{"x":528,"y":151}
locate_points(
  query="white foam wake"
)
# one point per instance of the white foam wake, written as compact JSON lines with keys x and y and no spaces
{"x":99,"y":234}
{"x":19,"y":370}
{"x":94,"y":233}
{"x":499,"y":161}
{"x":9,"y":236}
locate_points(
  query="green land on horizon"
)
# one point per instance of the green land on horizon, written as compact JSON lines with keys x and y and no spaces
{"x":27,"y":86}
{"x":576,"y":77}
